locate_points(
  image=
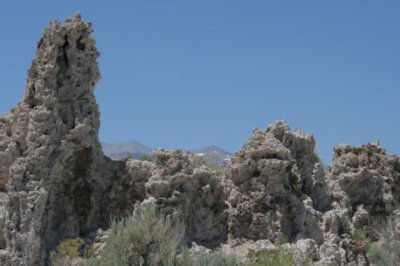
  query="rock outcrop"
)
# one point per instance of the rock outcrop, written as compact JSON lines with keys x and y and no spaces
{"x":364,"y":183}
{"x":277,"y":187}
{"x":53,"y":174}
{"x":55,"y":182}
{"x":50,"y":156}
{"x":193,"y":196}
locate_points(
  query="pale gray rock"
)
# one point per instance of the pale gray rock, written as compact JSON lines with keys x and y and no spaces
{"x":194,"y":196}
{"x":55,"y":182}
{"x":332,"y":252}
{"x":273,"y":180}
{"x":305,"y":252}
{"x":364,"y":182}
{"x":50,"y":146}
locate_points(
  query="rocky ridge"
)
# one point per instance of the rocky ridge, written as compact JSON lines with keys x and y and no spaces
{"x":55,"y":182}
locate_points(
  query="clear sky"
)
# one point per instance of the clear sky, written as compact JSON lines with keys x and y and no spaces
{"x":186,"y":74}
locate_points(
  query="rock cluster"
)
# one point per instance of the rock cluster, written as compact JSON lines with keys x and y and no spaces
{"x":55,"y":182}
{"x":277,"y":189}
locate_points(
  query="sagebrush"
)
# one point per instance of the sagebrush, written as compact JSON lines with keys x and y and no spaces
{"x":217,"y":258}
{"x":386,"y":251}
{"x":145,"y":238}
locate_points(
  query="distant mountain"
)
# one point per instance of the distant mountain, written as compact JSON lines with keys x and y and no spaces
{"x":123,"y":149}
{"x":215,"y":153}
{"x":137,"y":150}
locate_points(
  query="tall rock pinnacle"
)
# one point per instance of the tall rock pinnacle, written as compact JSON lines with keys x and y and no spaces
{"x":52,"y":166}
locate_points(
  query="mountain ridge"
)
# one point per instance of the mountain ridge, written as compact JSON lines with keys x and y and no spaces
{"x":137,"y":149}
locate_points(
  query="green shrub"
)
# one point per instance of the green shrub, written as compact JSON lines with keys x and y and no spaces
{"x":218,"y":258}
{"x":344,"y":226}
{"x":145,"y":238}
{"x":274,"y":257}
{"x":282,"y":240}
{"x":89,"y":252}
{"x":379,"y":256}
{"x":387,"y":250}
{"x":128,"y":156}
{"x":360,"y":235}
{"x":145,"y":158}
{"x":66,"y":250}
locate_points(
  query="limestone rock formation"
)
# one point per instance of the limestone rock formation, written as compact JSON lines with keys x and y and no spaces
{"x":277,"y":187}
{"x":49,"y":147}
{"x":55,"y":182}
{"x":53,"y":175}
{"x":194,"y":196}
{"x":364,"y":183}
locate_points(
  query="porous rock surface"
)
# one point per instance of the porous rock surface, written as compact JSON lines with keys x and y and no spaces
{"x":55,"y":182}
{"x":193,"y":196}
{"x":53,"y":175}
{"x":364,"y":182}
{"x":277,"y":187}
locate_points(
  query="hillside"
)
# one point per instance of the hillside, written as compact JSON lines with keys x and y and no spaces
{"x":121,"y":150}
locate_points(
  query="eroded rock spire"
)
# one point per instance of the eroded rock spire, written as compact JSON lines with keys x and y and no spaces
{"x":52,"y":166}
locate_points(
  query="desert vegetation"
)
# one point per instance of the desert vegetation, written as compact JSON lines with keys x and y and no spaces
{"x":148,"y":237}
{"x":67,"y":251}
{"x":274,"y":257}
{"x":386,"y":251}
{"x":145,"y":238}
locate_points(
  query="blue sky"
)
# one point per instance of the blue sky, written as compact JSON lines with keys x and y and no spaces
{"x":186,"y":74}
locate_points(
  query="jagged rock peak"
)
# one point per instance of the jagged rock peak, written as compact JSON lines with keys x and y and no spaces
{"x":53,"y":173}
{"x":59,"y":106}
{"x":364,"y":181}
{"x":193,"y":195}
{"x":277,"y":186}
{"x":66,"y":60}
